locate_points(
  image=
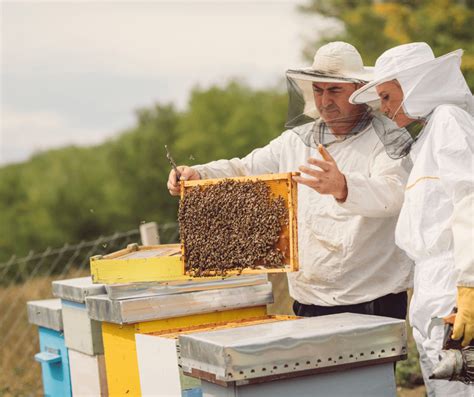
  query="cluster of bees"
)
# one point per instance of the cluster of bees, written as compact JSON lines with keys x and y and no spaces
{"x":231,"y":225}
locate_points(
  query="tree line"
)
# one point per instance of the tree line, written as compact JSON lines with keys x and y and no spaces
{"x":78,"y":193}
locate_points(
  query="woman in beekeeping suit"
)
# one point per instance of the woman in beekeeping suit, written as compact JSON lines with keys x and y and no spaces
{"x":432,"y":108}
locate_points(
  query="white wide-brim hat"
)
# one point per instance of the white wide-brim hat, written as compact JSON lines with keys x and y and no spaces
{"x":411,"y":59}
{"x":336,"y":62}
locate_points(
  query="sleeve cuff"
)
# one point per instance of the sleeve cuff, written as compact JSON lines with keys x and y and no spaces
{"x":352,"y":201}
{"x":201,"y":171}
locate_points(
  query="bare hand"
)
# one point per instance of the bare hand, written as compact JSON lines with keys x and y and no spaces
{"x":328,"y":180}
{"x":187,"y":174}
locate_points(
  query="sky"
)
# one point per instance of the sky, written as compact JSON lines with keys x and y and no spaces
{"x":75,"y":72}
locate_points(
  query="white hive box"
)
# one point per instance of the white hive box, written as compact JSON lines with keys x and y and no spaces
{"x":159,"y":367}
{"x":83,"y":336}
{"x":88,"y":376}
{"x":80,"y":332}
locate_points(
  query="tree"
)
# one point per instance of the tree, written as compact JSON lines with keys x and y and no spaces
{"x":138,"y":160}
{"x":374,"y":26}
{"x":229,"y":121}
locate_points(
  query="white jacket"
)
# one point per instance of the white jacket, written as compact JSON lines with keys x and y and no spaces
{"x":436,"y":221}
{"x":347,"y":251}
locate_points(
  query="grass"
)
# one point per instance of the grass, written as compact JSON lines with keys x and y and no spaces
{"x":408,"y":373}
{"x":20,"y":374}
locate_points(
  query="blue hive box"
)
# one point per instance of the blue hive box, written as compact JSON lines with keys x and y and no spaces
{"x":53,"y":354}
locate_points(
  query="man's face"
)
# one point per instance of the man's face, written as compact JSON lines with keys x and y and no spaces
{"x":391,"y":100}
{"x":332,"y":102}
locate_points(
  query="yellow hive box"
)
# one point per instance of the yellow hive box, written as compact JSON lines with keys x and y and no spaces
{"x":168,"y":262}
{"x":120,"y":351}
{"x":139,"y":264}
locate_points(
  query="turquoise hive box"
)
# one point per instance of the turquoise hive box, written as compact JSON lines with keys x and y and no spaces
{"x":53,"y":354}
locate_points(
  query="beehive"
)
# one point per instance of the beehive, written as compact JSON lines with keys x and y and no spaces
{"x":53,"y":354}
{"x":342,"y":354}
{"x":123,"y":319}
{"x":168,"y":262}
{"x":158,"y":356}
{"x":83,"y":336}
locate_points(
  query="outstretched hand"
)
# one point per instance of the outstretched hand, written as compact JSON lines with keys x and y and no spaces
{"x":327,"y":180}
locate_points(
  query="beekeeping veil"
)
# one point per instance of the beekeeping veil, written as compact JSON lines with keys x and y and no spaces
{"x":336,"y":62}
{"x":426,"y":82}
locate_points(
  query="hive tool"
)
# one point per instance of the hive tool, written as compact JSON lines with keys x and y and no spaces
{"x":173,"y":163}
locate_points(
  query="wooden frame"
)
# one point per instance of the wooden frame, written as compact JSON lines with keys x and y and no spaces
{"x":280,"y":185}
{"x":246,"y":322}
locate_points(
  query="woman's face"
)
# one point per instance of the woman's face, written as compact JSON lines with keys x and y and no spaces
{"x":391,"y":99}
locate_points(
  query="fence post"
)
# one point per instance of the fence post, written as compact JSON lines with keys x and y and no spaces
{"x":149,"y":233}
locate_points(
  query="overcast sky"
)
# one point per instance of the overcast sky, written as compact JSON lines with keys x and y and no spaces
{"x":73,"y":72}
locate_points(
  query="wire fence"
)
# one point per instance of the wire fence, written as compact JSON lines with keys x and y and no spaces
{"x":29,"y":278}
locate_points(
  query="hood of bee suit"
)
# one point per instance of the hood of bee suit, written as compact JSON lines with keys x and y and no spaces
{"x":426,"y":81}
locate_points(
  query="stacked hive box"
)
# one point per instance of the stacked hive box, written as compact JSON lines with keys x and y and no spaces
{"x":180,"y":302}
{"x":165,"y":309}
{"x":83,"y":337}
{"x":337,"y":355}
{"x":158,"y":308}
{"x":53,"y":355}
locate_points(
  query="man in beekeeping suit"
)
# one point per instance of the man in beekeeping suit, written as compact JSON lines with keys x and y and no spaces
{"x":349,"y":192}
{"x":432,"y":109}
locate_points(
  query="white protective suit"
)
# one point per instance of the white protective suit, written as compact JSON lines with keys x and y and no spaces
{"x":436,"y":226}
{"x":439,"y":190}
{"x":347,"y":251}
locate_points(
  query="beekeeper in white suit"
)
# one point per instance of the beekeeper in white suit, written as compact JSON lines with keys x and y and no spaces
{"x":348,"y":203}
{"x":430,"y":99}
